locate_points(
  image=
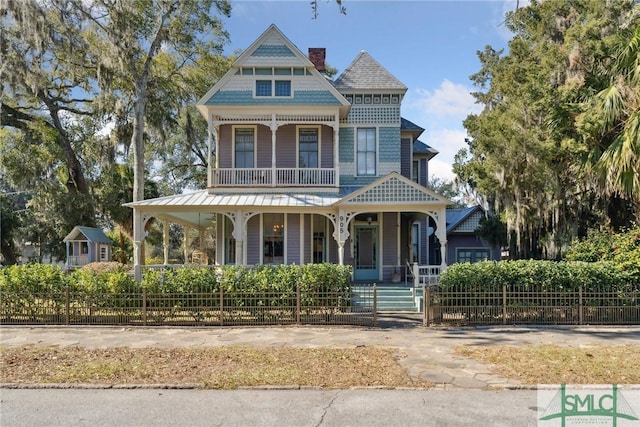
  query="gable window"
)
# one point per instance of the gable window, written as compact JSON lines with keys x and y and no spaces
{"x":366,"y":151}
{"x":244,"y":142}
{"x":273,"y":238}
{"x":472,"y":254}
{"x":283,"y":87}
{"x":263,"y":87}
{"x":278,"y":88}
{"x":308,"y":148}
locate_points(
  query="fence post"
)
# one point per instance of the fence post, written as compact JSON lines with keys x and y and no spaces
{"x":66,"y":305}
{"x":144,"y":306}
{"x":504,"y":304}
{"x":221,"y":306}
{"x":297,"y":303}
{"x":375,"y":304}
{"x":580,"y":311}
{"x":426,"y":305}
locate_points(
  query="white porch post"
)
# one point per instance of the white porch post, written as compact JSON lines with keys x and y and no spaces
{"x":336,"y":150}
{"x":341,"y":234}
{"x":274,"y":130}
{"x":239,"y":234}
{"x":441,"y":233}
{"x":209,"y":149}
{"x":138,"y":236}
{"x":165,"y":241}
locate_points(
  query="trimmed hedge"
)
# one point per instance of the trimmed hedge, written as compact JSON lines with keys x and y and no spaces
{"x":534,"y":275}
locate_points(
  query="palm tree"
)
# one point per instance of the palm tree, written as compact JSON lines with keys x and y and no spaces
{"x":619,"y":108}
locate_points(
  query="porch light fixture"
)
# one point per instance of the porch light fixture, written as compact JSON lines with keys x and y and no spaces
{"x":369,"y":220}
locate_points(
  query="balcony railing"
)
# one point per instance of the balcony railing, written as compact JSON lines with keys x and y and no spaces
{"x":279,"y":177}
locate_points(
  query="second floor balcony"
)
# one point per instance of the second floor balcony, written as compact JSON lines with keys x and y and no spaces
{"x":274,"y":177}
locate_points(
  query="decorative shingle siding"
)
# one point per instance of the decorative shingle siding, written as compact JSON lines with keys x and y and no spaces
{"x":300,"y":97}
{"x":272,"y":50}
{"x":357,"y":181}
{"x":346,"y":146}
{"x":293,"y":239}
{"x":470,"y":224}
{"x":389,"y":144}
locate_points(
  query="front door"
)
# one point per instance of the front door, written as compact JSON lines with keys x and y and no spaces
{"x":366,"y":253}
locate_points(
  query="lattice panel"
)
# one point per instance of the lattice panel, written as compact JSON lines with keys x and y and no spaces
{"x":373,"y":115}
{"x":393,"y":191}
{"x":471,"y":224}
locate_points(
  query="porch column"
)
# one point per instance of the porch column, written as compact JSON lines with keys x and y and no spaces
{"x":341,"y":234}
{"x":441,"y":234}
{"x":239,"y":234}
{"x":138,"y":237}
{"x":165,"y":242}
{"x":186,"y":244}
{"x":210,"y":148}
{"x":336,"y":150}
{"x":274,"y":130}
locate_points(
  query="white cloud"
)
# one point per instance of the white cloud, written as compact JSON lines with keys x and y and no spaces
{"x":448,"y":100}
{"x":441,"y":170}
{"x":448,"y":142}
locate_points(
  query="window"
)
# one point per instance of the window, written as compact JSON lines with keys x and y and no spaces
{"x":263,"y":87}
{"x":415,"y":242}
{"x":84,"y":248}
{"x":229,"y":242}
{"x":244,"y":147}
{"x":366,"y":148}
{"x":308,"y":148}
{"x":415,"y":171}
{"x":472,"y":255}
{"x":283,"y":88}
{"x":319,"y":223}
{"x":271,"y":87}
{"x":273,"y":238}
{"x":103,"y":253}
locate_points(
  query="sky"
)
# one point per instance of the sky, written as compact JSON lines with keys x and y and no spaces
{"x":429,"y":45}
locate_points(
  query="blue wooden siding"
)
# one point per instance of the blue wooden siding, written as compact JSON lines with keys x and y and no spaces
{"x":263,"y":149}
{"x":272,"y":50}
{"x":225,"y":147}
{"x":326,"y":150}
{"x":406,"y":147}
{"x":424,"y":172}
{"x":253,"y":243}
{"x":300,"y":97}
{"x":292,"y":227}
{"x":286,"y":147}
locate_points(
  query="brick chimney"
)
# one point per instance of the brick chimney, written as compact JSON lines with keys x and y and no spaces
{"x":317,"y":56}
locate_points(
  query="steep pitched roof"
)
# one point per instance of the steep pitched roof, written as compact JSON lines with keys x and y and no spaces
{"x":367,"y":73}
{"x":94,"y":235}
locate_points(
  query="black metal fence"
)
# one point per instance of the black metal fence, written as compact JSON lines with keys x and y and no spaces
{"x":145,"y":308}
{"x":531,"y":307}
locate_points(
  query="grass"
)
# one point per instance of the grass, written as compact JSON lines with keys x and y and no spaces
{"x":228,"y":367}
{"x":552,"y":364}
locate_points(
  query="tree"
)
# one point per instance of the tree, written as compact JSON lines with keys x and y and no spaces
{"x":526,"y":154}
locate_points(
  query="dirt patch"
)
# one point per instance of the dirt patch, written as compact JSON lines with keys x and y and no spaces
{"x":216,"y":368}
{"x":551,"y":364}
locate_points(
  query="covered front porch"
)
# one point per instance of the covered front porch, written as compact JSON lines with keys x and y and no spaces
{"x":370,"y":228}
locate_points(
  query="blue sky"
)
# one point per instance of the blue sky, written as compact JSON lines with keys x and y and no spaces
{"x":428,"y":45}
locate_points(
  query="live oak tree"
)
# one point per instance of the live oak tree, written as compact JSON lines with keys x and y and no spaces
{"x":527,"y":152}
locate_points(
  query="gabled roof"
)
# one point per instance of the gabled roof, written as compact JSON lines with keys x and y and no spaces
{"x":420,"y":147}
{"x":367,"y":73}
{"x":395,"y":190}
{"x":288,"y":50}
{"x":94,"y":235}
{"x":456,"y":217}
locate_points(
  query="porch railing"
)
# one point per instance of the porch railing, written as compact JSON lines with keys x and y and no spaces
{"x":423,"y":275}
{"x":77,"y":261}
{"x":268,"y":177}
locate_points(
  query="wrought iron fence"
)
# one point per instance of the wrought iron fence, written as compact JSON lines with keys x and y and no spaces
{"x":531,"y":307}
{"x":144,"y":308}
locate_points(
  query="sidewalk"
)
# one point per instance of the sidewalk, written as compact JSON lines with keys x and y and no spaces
{"x":426,"y":353}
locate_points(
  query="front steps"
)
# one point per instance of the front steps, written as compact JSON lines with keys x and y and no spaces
{"x":390,"y":298}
